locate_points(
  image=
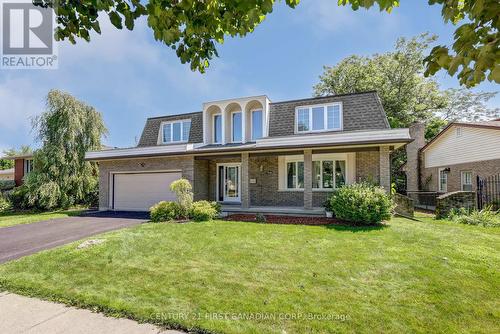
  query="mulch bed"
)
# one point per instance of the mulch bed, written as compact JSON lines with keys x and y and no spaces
{"x":292,"y":220}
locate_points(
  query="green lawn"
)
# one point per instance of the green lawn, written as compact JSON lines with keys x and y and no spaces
{"x":16,"y":218}
{"x":409,"y":277}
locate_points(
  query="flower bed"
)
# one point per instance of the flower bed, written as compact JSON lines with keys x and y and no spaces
{"x":292,"y":220}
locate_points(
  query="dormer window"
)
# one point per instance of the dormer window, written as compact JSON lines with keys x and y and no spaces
{"x":176,"y":131}
{"x":236,"y":129}
{"x":256,"y":124}
{"x":217,"y":131}
{"x":318,"y":118}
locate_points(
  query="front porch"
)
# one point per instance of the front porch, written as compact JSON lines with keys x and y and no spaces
{"x":289,"y":182}
{"x":229,"y":209}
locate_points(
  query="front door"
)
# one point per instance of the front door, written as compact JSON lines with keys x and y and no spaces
{"x":229,"y":183}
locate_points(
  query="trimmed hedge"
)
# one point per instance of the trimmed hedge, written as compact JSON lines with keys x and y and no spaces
{"x":165,"y":211}
{"x":361,"y":203}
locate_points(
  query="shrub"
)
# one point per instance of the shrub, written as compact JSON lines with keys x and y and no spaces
{"x":165,"y":211}
{"x":19,"y":198}
{"x":485,"y":217}
{"x":7,"y":184}
{"x":361,"y":203}
{"x":4,"y":203}
{"x":204,"y":210}
{"x":184,"y":193}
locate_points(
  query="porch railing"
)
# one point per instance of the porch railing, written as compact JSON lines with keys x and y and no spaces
{"x":488,"y":191}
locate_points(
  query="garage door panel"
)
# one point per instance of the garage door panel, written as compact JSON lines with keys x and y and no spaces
{"x":140,"y":191}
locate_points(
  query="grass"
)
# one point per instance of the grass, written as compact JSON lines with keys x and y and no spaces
{"x":15,"y":217}
{"x":230,"y":277}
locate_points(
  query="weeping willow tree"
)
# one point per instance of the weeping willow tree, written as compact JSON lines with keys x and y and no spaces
{"x":61,"y":177}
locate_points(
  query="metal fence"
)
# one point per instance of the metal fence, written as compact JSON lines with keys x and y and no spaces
{"x":424,"y":199}
{"x":488,"y":191}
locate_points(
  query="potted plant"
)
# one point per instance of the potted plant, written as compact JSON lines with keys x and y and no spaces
{"x":328,"y":208}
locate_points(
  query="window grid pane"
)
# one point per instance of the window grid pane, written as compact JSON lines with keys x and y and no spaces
{"x":256,"y":124}
{"x":333,"y":117}
{"x":291,"y":175}
{"x":339,"y":173}
{"x":186,"y":128}
{"x":316,"y":174}
{"x":303,"y":120}
{"x":237,"y":127}
{"x":300,"y":174}
{"x":217,"y":129}
{"x":167,"y":133}
{"x":327,"y":174}
{"x":318,"y":118}
{"x":176,"y":131}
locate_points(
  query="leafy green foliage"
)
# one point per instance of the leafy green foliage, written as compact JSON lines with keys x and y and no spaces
{"x":361,"y":203}
{"x":204,"y":211}
{"x":193,"y":27}
{"x":165,"y":211}
{"x":485,"y":217}
{"x":475,"y":52}
{"x":4,"y":203}
{"x":406,"y":95}
{"x":465,"y":105}
{"x":7,"y":184}
{"x":61,"y":177}
{"x":184,"y":193}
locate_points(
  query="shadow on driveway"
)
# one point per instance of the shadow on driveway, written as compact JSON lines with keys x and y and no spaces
{"x":21,"y":240}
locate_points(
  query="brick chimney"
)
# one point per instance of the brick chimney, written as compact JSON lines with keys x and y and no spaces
{"x":412,"y":168}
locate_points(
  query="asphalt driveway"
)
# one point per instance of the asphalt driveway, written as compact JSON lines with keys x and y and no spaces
{"x":21,"y":240}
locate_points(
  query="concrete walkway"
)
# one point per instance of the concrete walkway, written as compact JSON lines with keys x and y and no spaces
{"x":19,"y":314}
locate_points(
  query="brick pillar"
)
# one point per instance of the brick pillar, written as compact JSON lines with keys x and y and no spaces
{"x":245,"y":181}
{"x":385,"y":168}
{"x":308,"y":179}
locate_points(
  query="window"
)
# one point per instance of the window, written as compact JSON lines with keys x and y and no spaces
{"x":443,"y":180}
{"x":467,"y":181}
{"x":28,"y":166}
{"x":176,"y":132}
{"x":236,"y":129}
{"x":295,"y":175}
{"x":325,"y":176}
{"x":319,"y":118}
{"x":217,"y":129}
{"x":256,"y":124}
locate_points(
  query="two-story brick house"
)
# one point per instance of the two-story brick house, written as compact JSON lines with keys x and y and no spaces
{"x":252,"y":154}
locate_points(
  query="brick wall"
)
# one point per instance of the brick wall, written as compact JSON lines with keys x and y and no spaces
{"x":430,"y":176}
{"x":185,"y":164}
{"x":455,"y":200}
{"x":368,"y":167}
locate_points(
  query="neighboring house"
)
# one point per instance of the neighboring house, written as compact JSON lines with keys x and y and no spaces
{"x":7,"y":174}
{"x":253,"y":154}
{"x":23,"y":164}
{"x":454,"y":158}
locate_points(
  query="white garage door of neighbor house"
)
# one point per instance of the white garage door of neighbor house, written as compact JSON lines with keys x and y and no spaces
{"x":140,"y":191}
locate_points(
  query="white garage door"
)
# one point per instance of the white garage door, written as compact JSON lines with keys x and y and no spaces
{"x":140,"y":191}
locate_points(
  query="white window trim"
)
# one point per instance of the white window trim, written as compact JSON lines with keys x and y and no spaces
{"x":334,"y":180}
{"x":251,"y":123}
{"x":162,"y":130}
{"x":325,"y":117}
{"x":28,"y":169}
{"x":439,"y":180}
{"x":221,"y":128}
{"x":232,"y":126}
{"x":462,"y":179}
{"x":228,"y":164}
{"x":296,"y":162}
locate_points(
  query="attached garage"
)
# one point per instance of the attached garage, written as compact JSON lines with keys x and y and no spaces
{"x":140,"y":191}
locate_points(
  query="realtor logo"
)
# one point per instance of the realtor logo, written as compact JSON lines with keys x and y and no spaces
{"x":27,"y":36}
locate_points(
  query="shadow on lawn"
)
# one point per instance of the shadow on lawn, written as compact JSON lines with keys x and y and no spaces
{"x":356,"y":228}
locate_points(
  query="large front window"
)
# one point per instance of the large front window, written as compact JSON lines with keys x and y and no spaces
{"x":176,"y":132}
{"x":256,"y":124}
{"x":467,"y":181}
{"x":319,"y":118}
{"x":328,"y":174}
{"x":237,"y":127}
{"x":217,"y":129}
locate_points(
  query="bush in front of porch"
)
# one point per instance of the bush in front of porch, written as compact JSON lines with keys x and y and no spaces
{"x":361,"y":203}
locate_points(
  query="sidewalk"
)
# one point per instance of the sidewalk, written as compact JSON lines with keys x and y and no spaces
{"x":20,"y":314}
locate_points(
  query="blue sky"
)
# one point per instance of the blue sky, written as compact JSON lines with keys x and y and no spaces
{"x":128,"y":76}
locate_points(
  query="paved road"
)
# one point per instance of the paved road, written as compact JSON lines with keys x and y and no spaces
{"x":20,"y":314}
{"x":21,"y":240}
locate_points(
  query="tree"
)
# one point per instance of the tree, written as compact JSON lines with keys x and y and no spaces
{"x":464,"y":105}
{"x":6,"y":164}
{"x":193,"y":27}
{"x":61,"y":177}
{"x":407,"y":96}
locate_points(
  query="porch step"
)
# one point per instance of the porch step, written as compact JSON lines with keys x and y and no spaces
{"x":266,"y":210}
